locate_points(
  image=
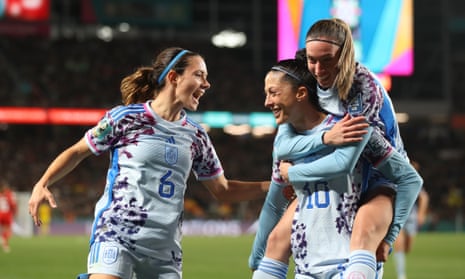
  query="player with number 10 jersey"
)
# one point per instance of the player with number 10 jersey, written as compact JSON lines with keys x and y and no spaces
{"x":326,"y":208}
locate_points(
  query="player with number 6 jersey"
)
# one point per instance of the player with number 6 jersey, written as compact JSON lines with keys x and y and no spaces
{"x":153,"y":147}
{"x":146,"y":181}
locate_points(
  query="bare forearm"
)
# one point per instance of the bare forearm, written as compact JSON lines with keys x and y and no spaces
{"x":236,"y":190}
{"x":245,"y":190}
{"x":64,"y":164}
{"x":59,"y":168}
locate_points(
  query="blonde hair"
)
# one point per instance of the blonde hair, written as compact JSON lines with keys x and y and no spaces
{"x":339,"y":32}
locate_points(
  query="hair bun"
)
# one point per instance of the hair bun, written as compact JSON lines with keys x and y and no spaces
{"x":301,"y":55}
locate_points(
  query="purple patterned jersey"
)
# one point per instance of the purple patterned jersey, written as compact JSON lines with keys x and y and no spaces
{"x":150,"y":163}
{"x":369,"y":98}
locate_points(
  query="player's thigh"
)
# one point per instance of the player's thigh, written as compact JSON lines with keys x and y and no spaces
{"x":376,"y":214}
{"x":110,"y":260}
{"x":377,"y":205}
{"x":372,"y":223}
{"x":154,"y":268}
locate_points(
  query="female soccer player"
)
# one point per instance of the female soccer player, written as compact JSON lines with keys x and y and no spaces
{"x":153,"y":146}
{"x":403,"y":174}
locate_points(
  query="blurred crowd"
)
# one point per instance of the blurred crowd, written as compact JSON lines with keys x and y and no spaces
{"x":72,"y":73}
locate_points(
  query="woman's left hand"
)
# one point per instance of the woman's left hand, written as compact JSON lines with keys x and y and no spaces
{"x":283,"y":170}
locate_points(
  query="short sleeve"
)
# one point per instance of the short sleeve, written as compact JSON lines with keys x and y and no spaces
{"x":100,"y":137}
{"x":206,"y":164}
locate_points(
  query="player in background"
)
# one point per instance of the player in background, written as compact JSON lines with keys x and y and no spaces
{"x":404,"y":241}
{"x":153,"y":146}
{"x":8,"y":207}
{"x":45,"y":216}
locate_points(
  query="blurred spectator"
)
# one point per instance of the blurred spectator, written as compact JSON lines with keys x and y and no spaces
{"x":45,"y":215}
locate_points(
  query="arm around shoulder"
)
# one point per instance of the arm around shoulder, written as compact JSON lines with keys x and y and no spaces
{"x":340,"y":162}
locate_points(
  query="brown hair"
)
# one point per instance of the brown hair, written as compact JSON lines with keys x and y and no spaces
{"x":144,"y":84}
{"x":296,"y":73}
{"x":339,"y":33}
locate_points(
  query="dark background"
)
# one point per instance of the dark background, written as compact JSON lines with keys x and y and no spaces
{"x":67,"y":66}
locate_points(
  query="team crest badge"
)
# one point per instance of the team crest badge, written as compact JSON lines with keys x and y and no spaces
{"x":171,"y":154}
{"x":355,"y":105}
{"x":110,"y":255}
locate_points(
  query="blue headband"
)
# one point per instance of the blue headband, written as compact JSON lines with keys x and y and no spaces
{"x":171,"y":64}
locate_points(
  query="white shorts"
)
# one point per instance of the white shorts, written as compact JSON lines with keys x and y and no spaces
{"x":114,"y":259}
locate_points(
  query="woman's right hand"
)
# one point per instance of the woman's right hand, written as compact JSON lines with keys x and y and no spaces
{"x":39,"y":194}
{"x":348,"y":130}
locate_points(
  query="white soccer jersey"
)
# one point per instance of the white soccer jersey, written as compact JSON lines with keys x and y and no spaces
{"x":323,"y":220}
{"x":322,"y":223}
{"x":150,"y":162}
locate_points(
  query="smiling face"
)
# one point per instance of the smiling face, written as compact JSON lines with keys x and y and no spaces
{"x":322,"y":60}
{"x":192,"y":83}
{"x":280,"y":97}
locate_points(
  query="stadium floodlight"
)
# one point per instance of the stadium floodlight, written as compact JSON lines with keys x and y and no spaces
{"x":229,"y":38}
{"x":237,"y":130}
{"x":124,"y":27}
{"x":261,"y":131}
{"x":105,"y":33}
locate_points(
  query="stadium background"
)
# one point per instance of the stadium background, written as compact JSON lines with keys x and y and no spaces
{"x":56,"y":60}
